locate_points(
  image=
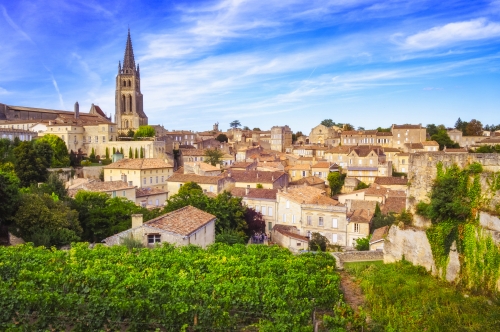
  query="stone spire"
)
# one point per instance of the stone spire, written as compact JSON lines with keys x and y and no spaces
{"x":128,"y":59}
{"x":138,"y":71}
{"x":119,"y":67}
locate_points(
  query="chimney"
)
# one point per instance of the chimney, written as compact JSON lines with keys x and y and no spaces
{"x":257,"y":175}
{"x":247,"y":189}
{"x":136,"y":220}
{"x":77,"y":110}
{"x":272,"y":178}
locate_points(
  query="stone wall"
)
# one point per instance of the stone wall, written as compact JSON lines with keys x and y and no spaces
{"x":356,"y":256}
{"x":422,"y":169}
{"x":92,"y":172}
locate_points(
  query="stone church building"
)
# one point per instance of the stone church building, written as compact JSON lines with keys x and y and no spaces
{"x":129,"y":111}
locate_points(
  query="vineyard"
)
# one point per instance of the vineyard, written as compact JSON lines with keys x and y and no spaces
{"x":238,"y":288}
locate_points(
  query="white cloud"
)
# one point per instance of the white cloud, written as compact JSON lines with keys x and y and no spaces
{"x":3,"y":91}
{"x":452,"y":33}
{"x":15,"y":26}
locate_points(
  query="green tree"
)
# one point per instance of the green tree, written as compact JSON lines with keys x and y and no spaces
{"x":190,"y":193}
{"x":142,"y":152}
{"x":318,"y":242}
{"x":235,"y":124}
{"x":432,"y":129}
{"x":444,"y":140}
{"x":9,"y":196}
{"x":348,"y":126}
{"x":246,"y":128}
{"x":130,"y":133}
{"x":230,"y":237}
{"x":335,"y":181}
{"x":7,"y":151}
{"x":130,"y":154}
{"x":474,"y":128}
{"x":60,"y":155}
{"x":363,"y":244}
{"x":121,"y":150}
{"x":256,"y":129}
{"x":53,"y":185}
{"x":458,"y":124}
{"x":44,"y":221}
{"x":32,"y":163}
{"x":384,"y":130}
{"x":361,"y":185}
{"x":145,"y":131}
{"x":107,"y":153}
{"x":92,"y":156}
{"x":222,"y":138}
{"x":136,"y":156}
{"x":213,"y":157}
{"x":328,"y":123}
{"x":380,"y":219}
{"x":114,"y":150}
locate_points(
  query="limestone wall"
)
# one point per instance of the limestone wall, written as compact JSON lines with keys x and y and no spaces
{"x":422,"y":169}
{"x":356,"y":256}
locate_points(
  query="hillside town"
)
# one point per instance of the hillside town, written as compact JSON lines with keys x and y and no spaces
{"x":111,"y":222}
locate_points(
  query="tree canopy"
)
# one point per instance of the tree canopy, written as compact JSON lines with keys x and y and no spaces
{"x":335,"y":181}
{"x":444,"y":140}
{"x":474,"y":128}
{"x":328,"y":123}
{"x":145,"y":131}
{"x":32,"y":161}
{"x":9,"y":196}
{"x":60,"y":156}
{"x":235,"y":124}
{"x":222,"y":138}
{"x":213,"y":156}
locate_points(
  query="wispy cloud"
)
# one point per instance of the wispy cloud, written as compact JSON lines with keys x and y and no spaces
{"x":61,"y":101}
{"x":3,"y":91}
{"x":15,"y":26}
{"x":453,"y":33}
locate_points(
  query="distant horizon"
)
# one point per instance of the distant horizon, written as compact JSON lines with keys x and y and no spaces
{"x":368,"y":63}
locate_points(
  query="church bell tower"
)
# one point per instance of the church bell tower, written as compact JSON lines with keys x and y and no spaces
{"x":129,"y":112}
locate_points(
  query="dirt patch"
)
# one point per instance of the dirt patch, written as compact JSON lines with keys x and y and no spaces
{"x":351,"y":290}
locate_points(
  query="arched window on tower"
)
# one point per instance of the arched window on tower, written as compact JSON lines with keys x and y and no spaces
{"x":123,"y":104}
{"x":130,"y":100}
{"x":129,"y":83}
{"x":124,"y":83}
{"x":126,"y":123}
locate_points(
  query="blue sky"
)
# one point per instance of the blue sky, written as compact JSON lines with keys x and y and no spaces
{"x":265,"y":63}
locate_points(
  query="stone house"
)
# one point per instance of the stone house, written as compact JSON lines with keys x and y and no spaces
{"x":401,"y":162}
{"x":413,"y":147}
{"x":378,"y":238}
{"x":322,"y":169}
{"x":391,"y":182}
{"x":430,"y":146}
{"x":150,"y":197}
{"x":309,"y":150}
{"x":299,"y":171}
{"x":190,"y":155}
{"x":250,"y":179}
{"x":289,"y":237}
{"x":261,"y":200}
{"x":323,"y":135}
{"x":246,"y":153}
{"x":182,"y":227}
{"x":281,"y":137}
{"x":112,"y":188}
{"x":310,"y":210}
{"x":338,"y":155}
{"x":312,"y":181}
{"x":270,"y":166}
{"x":407,"y":134}
{"x":365,"y":163}
{"x":359,"y":223}
{"x":22,"y":134}
{"x":358,"y":137}
{"x":244,"y":166}
{"x":209,"y":184}
{"x":142,"y":173}
{"x":201,"y":168}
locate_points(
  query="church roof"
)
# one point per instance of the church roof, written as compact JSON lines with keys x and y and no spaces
{"x":128,"y":59}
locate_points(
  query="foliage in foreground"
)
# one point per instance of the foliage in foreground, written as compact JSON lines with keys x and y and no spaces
{"x":113,"y":288}
{"x":403,"y":297}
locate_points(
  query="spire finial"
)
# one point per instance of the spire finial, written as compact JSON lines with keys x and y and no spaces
{"x":128,"y":59}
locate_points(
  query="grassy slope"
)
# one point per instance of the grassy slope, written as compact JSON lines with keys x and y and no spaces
{"x":403,"y":297}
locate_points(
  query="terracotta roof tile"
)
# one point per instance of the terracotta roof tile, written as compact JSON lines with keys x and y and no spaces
{"x":255,"y":193}
{"x":407,"y":126}
{"x":176,"y":177}
{"x":379,"y":234}
{"x":203,"y":166}
{"x":393,"y":204}
{"x":360,"y":216}
{"x":256,"y":176}
{"x":192,"y":152}
{"x":287,"y":231}
{"x":141,"y":192}
{"x":430,"y":143}
{"x":390,"y":180}
{"x":414,"y":145}
{"x":301,"y":167}
{"x":309,"y":180}
{"x":184,"y":221}
{"x":308,"y":195}
{"x":144,"y":163}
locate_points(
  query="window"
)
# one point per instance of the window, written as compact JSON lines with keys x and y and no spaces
{"x":403,"y":170}
{"x":110,"y":178}
{"x":97,"y":139}
{"x":104,"y":139}
{"x":309,"y":220}
{"x":157,"y":202}
{"x":293,"y":173}
{"x":162,"y":179}
{"x":269,"y":226}
{"x":308,"y":234}
{"x":356,"y":228}
{"x":144,"y":181}
{"x":293,"y":219}
{"x":287,"y":204}
{"x":263,"y":210}
{"x":114,"y":194}
{"x":180,"y":185}
{"x":403,"y":161}
{"x":270,"y":212}
{"x":150,"y":180}
{"x":360,"y":162}
{"x":257,"y":208}
{"x":335,"y":223}
{"x":371,"y":162}
{"x":320,"y":221}
{"x":157,"y":179}
{"x":284,"y":218}
{"x":334,"y":238}
{"x":123,"y":193}
{"x":154,"y":238}
{"x":130,"y":183}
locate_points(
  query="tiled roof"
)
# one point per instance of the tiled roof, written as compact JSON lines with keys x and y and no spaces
{"x":462,"y":150}
{"x":241,"y":164}
{"x":379,"y":234}
{"x":361,"y":168}
{"x":141,"y":192}
{"x":192,"y":152}
{"x":393,"y":204}
{"x":403,"y":154}
{"x":255,"y":193}
{"x":176,"y":177}
{"x":144,"y":163}
{"x":274,"y":164}
{"x":306,"y":158}
{"x":301,"y":167}
{"x":390,"y":180}
{"x":308,"y":195}
{"x":384,"y":133}
{"x":407,"y":126}
{"x":286,"y":230}
{"x":495,"y":140}
{"x":255,"y":176}
{"x":184,"y":221}
{"x":322,"y":164}
{"x":203,"y":166}
{"x":105,"y":186}
{"x":309,"y":180}
{"x":339,"y":149}
{"x":430,"y":143}
{"x":391,"y":150}
{"x":360,"y":216}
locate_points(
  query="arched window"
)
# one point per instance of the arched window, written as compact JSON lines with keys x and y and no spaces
{"x":130,"y":100}
{"x":123,"y":103}
{"x":129,"y":83}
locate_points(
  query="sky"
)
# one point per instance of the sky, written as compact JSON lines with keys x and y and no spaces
{"x":262,"y":62}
